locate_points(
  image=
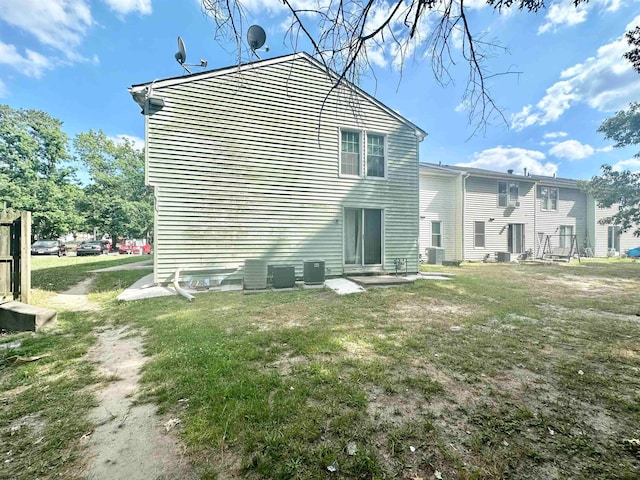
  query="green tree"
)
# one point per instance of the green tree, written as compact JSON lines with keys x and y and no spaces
{"x":623,"y":128}
{"x":116,"y":200}
{"x":621,"y":189}
{"x":33,"y":172}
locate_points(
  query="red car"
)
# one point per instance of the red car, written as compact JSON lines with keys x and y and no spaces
{"x":135,"y":247}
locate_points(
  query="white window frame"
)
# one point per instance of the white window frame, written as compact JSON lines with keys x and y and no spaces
{"x":439,"y":222}
{"x":366,"y":134}
{"x":510,"y":202}
{"x":363,"y":153}
{"x":546,"y":203}
{"x":350,"y":130}
{"x":484,"y":234}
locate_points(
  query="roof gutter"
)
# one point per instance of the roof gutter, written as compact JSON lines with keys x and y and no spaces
{"x":144,"y":96}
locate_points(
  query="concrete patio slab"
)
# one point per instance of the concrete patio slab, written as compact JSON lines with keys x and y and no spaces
{"x":379,"y":280}
{"x":343,"y":286}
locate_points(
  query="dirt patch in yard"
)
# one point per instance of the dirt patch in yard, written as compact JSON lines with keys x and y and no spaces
{"x":130,"y":441}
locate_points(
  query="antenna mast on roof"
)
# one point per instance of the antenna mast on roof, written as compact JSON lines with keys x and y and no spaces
{"x":181,"y":57}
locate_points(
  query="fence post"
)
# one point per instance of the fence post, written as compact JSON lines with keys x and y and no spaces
{"x":25,"y":257}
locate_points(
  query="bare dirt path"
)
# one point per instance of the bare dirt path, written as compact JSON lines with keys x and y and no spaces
{"x":130,"y":441}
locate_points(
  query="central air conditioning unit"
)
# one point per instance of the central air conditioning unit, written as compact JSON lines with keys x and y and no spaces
{"x":255,"y":274}
{"x":436,"y":255}
{"x":283,"y":276}
{"x":503,"y":257}
{"x":313,"y":272}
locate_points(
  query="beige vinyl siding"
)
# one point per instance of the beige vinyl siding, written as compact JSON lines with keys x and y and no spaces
{"x":439,"y":202}
{"x":481,"y":205}
{"x":627,"y":240}
{"x":245,"y":165}
{"x":572,"y":211}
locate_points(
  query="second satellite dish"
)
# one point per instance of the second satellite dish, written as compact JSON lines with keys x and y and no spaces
{"x":256,"y":37}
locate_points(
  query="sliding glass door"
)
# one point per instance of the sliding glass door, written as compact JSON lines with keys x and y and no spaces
{"x":362,"y":236}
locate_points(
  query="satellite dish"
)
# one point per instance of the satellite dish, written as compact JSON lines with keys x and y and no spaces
{"x":181,"y":54}
{"x":181,"y":57}
{"x":256,"y":37}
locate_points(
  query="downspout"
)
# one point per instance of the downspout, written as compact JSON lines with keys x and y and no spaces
{"x":464,"y":202}
{"x":179,"y":289}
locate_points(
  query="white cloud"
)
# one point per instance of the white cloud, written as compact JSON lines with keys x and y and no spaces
{"x":566,"y":14}
{"x":605,"y":82}
{"x":32,"y":64}
{"x":128,"y":6}
{"x":502,"y":159}
{"x":572,"y":150}
{"x":3,"y":89}
{"x":555,"y":135}
{"x":633,"y":164}
{"x":563,"y":14}
{"x":137,"y":142}
{"x":60,"y":24}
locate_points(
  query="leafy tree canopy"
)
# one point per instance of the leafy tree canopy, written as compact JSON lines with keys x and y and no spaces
{"x":33,"y":172}
{"x":116,"y":200}
{"x":623,"y":128}
{"x":621,"y":189}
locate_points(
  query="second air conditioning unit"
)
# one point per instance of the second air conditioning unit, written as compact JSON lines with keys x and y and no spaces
{"x":255,"y":274}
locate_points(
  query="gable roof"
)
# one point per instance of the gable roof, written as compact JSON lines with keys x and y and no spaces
{"x":481,"y":172}
{"x":140,"y":90}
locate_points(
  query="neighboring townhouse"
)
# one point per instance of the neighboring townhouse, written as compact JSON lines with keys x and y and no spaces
{"x":561,"y":217}
{"x":267,"y":160}
{"x":608,"y":240}
{"x":476,"y":214}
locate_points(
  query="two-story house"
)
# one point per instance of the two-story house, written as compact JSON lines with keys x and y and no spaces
{"x":474,"y":213}
{"x":270,"y":160}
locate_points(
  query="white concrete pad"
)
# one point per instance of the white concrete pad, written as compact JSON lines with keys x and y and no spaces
{"x":342,"y":286}
{"x":145,"y":288}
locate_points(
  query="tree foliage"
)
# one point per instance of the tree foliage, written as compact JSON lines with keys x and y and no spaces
{"x":633,"y":55}
{"x":620,"y":189}
{"x":33,"y":173}
{"x":116,"y":199}
{"x":623,"y":128}
{"x":346,"y":34}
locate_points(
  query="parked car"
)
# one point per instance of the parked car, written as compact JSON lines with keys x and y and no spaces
{"x":92,"y":247}
{"x":48,"y":247}
{"x":135,"y":247}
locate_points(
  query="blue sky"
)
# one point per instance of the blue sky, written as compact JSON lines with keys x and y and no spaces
{"x":75,"y":59}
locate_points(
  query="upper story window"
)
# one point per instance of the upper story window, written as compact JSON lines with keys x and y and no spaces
{"x":375,"y":155}
{"x":356,"y":146}
{"x":549,"y":198}
{"x":350,"y":153}
{"x":508,"y":194}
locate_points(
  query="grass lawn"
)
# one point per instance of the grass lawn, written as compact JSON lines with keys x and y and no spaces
{"x":55,"y":274}
{"x":506,"y":371}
